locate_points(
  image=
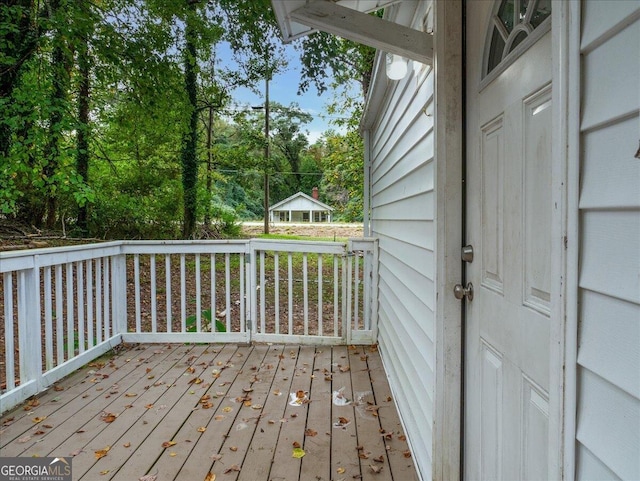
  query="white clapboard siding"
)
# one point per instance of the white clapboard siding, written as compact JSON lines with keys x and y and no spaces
{"x":401,"y":148}
{"x":608,"y":394}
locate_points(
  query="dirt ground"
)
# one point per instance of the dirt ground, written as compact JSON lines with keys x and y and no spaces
{"x":325,"y":231}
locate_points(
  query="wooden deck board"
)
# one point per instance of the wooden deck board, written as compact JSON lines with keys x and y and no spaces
{"x":237,"y":423}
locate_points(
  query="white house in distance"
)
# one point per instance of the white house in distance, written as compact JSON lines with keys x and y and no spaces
{"x":301,"y":208}
{"x":503,"y":185}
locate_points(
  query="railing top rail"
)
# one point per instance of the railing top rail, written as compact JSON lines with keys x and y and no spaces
{"x":31,"y":258}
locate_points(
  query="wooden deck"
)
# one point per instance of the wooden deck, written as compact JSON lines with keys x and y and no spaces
{"x":181,"y":412}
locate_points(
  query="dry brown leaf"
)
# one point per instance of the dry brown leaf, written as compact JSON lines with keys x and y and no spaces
{"x":168,"y":444}
{"x":345,"y":369}
{"x":101,"y":453}
{"x":39,"y":431}
{"x":216,"y":457}
{"x":376,"y":469}
{"x":195,"y":380}
{"x":148,"y":477}
{"x":232,"y":468}
{"x":247,"y":389}
{"x":406,"y":454}
{"x":37,"y":420}
{"x":341,"y":470}
{"x":233,"y":448}
{"x":130,"y":394}
{"x":379,"y":459}
{"x":310,"y":432}
{"x":210,"y":477}
{"x":296,"y":444}
{"x":149,"y":406}
{"x":24,"y":440}
{"x":103,"y":472}
{"x":227,"y":409}
{"x":202,"y":429}
{"x":173,"y":454}
{"x":300,"y":394}
{"x":109,"y":417}
{"x":127,"y":445}
{"x":58,"y":388}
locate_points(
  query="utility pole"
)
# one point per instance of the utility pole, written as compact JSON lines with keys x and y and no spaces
{"x":266,"y":154}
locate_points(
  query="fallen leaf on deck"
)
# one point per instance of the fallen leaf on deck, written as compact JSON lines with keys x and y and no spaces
{"x":76,"y":452}
{"x":210,"y":477}
{"x":232,"y":468}
{"x":298,"y":453}
{"x":103,"y":472}
{"x":24,"y":440}
{"x":202,"y":429}
{"x":216,"y":457}
{"x":109,"y":417}
{"x":219,"y":417}
{"x":379,"y":459}
{"x":148,"y":477}
{"x":127,"y":445}
{"x":101,"y":453}
{"x":233,"y":448}
{"x":406,"y":454}
{"x":58,"y":388}
{"x":173,"y":454}
{"x":310,"y":432}
{"x":296,"y":444}
{"x":376,"y":469}
{"x":167,"y":444}
{"x":277,"y":392}
{"x":345,"y":369}
{"x":39,"y":431}
{"x":47,"y":426}
{"x":39,"y":419}
{"x":130,"y":394}
{"x":148,"y":406}
{"x":227,"y":409}
{"x":195,"y":380}
{"x":340,"y":470}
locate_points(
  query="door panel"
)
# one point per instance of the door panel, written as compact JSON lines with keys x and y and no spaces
{"x":509,"y":225}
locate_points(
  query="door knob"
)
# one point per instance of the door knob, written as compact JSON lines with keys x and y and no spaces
{"x":460,"y":292}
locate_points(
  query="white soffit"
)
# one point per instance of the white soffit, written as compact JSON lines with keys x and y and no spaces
{"x":349,"y":19}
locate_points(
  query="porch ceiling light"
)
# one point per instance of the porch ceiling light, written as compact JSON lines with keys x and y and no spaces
{"x":397,"y":66}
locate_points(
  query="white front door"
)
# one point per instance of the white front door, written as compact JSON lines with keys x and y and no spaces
{"x":508,"y":218}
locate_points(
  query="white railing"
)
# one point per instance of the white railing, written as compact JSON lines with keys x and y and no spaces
{"x":63,"y":307}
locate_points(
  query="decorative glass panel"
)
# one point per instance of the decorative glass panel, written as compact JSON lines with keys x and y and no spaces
{"x":505,"y":13}
{"x":520,"y":37}
{"x":512,"y":24}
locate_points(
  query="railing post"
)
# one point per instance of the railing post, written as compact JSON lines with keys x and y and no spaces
{"x":372,"y":288}
{"x":252,"y":294}
{"x":119,"y":294}
{"x":29,"y":325}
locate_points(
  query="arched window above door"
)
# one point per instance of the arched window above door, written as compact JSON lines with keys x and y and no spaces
{"x":515,"y":25}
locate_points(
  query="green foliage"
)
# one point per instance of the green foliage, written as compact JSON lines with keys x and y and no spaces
{"x":110,"y":117}
{"x":192,"y":322}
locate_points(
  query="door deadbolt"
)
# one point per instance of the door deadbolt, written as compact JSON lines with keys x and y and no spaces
{"x":460,"y":292}
{"x":467,"y":253}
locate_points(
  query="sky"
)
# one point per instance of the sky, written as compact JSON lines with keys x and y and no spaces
{"x":284,"y":89}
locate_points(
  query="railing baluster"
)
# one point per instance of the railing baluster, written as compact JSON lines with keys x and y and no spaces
{"x":276,"y":286}
{"x":183,"y":294}
{"x":89,"y":283}
{"x":242,"y":290}
{"x":214,"y":313}
{"x":154,"y":293}
{"x":136,"y":294}
{"x":343,"y":300}
{"x":349,"y":294}
{"x":167,"y":275}
{"x":290,"y":293}
{"x":305,"y":293}
{"x":336,"y":297}
{"x":262,"y":295}
{"x":48,"y":319}
{"x":9,"y":332}
{"x":80,"y":297}
{"x":70,"y":321}
{"x":227,"y":278}
{"x":99,"y":309}
{"x":106,"y":298}
{"x":198,"y":296}
{"x":319,"y":294}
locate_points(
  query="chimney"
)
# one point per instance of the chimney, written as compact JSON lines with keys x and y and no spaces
{"x":314,"y":193}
